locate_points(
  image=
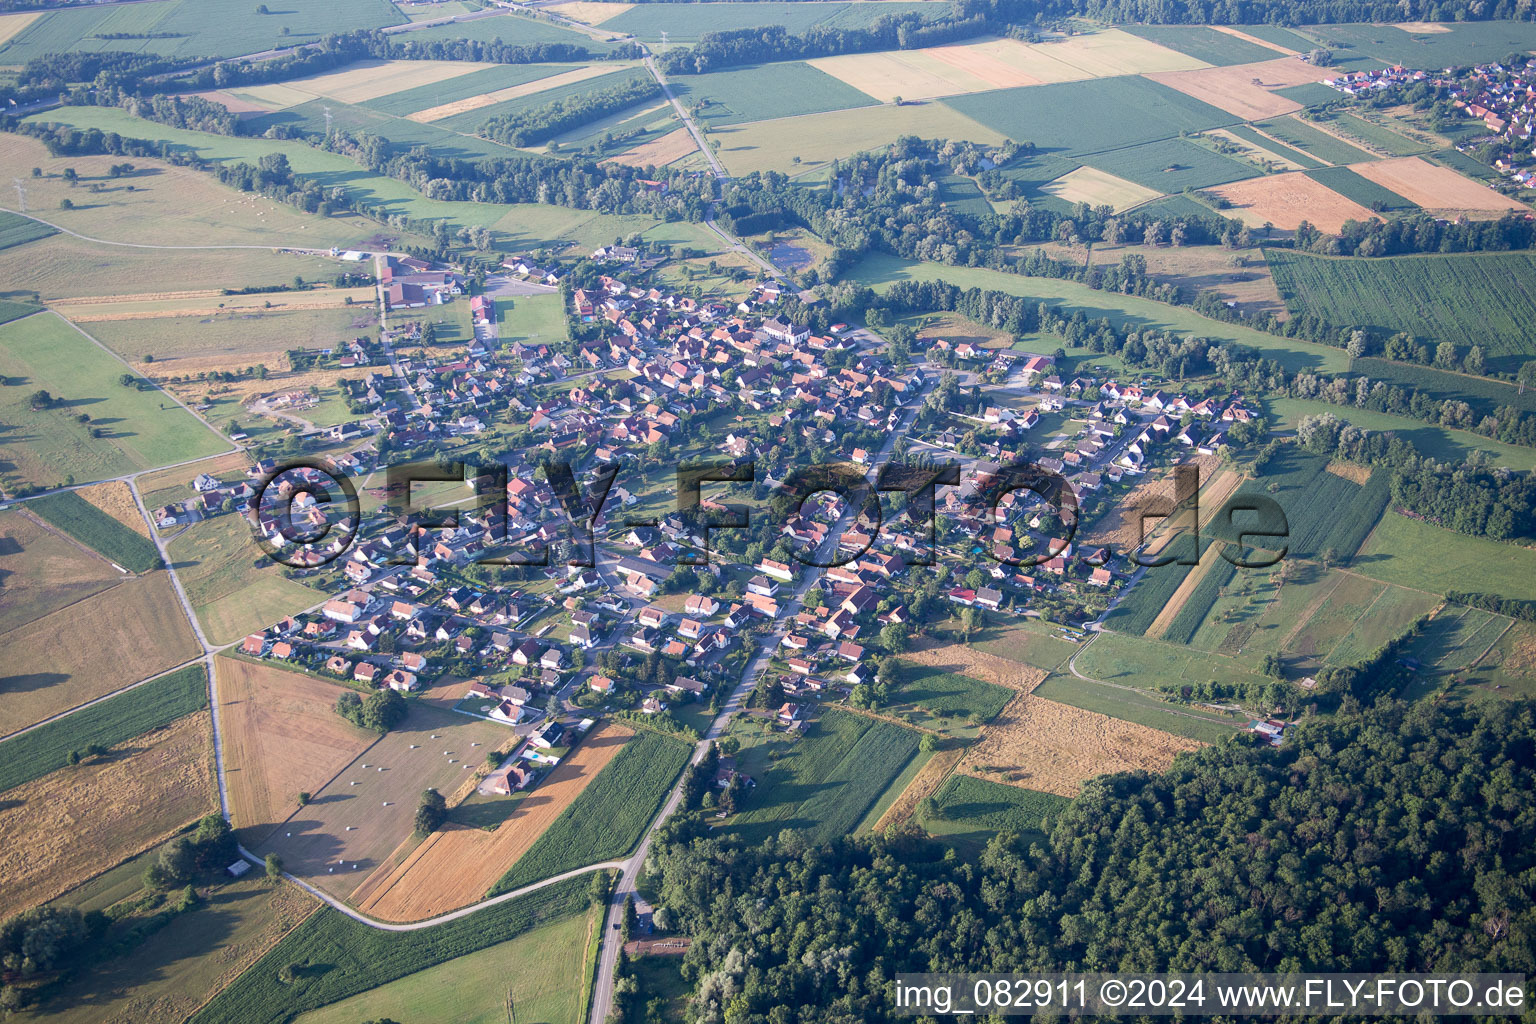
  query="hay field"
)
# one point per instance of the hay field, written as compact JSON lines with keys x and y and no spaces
{"x":1285,"y":200}
{"x":146,"y":306}
{"x":820,"y":138}
{"x":1111,"y":52}
{"x":960,"y":659}
{"x":1054,"y":748}
{"x":347,"y":831}
{"x":1098,"y":188}
{"x":214,"y":560}
{"x":116,"y":500}
{"x":917,"y":74}
{"x":1255,"y":40}
{"x":92,"y":647}
{"x":588,"y":12}
{"x":167,"y":205}
{"x":490,"y":99}
{"x":61,"y":829}
{"x":672,"y":146}
{"x":190,"y":345}
{"x":923,"y":785}
{"x":11,"y":24}
{"x":41,"y":570}
{"x":1353,"y":472}
{"x":371,"y":79}
{"x":281,"y":737}
{"x":272,"y":96}
{"x":1246,"y":89}
{"x":1434,"y":186}
{"x":232,"y":103}
{"x":458,"y":865}
{"x":1421,"y":27}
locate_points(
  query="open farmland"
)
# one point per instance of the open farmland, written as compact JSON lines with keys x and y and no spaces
{"x":1482,"y":394}
{"x":1054,"y":748}
{"x":356,"y":958}
{"x":825,"y":781}
{"x":338,"y":838}
{"x":18,"y":230}
{"x":1028,"y":641}
{"x":115,"y":498}
{"x":90,"y":648}
{"x":216,"y":561}
{"x":970,"y":809}
{"x":49,"y":444}
{"x":1313,"y":140}
{"x":481,"y":80}
{"x":687,"y":24}
{"x":741,"y":95}
{"x":931,"y":698}
{"x":157,"y":703}
{"x":457,"y":865}
{"x":231,"y":340}
{"x":1129,"y":110}
{"x":609,"y":816}
{"x":468,"y":114}
{"x":977,"y":663}
{"x":1384,"y":619}
{"x":41,"y":571}
{"x":673,"y":146}
{"x":64,"y":827}
{"x":539,"y":972}
{"x":1294,"y":159}
{"x":1435,"y":187}
{"x":1143,"y":707}
{"x":371,"y":79}
{"x":516,"y":29}
{"x":1486,"y":299}
{"x":1247,"y":90}
{"x":1414,"y":553}
{"x":1433,"y":46}
{"x":1171,"y":165}
{"x":1285,"y":200}
{"x":69,"y":511}
{"x":203,"y":28}
{"x":168,"y":973}
{"x":1359,"y":188}
{"x":1098,"y":188}
{"x":1374,"y":134}
{"x":282,"y":737}
{"x":1434,"y":441}
{"x":1211,"y":44}
{"x":1325,"y":512}
{"x":820,"y":138}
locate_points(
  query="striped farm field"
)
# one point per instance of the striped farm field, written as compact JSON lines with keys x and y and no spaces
{"x":476,"y":83}
{"x":1486,"y":299}
{"x":1247,"y":90}
{"x":1285,"y":200}
{"x":1359,"y":188}
{"x":741,"y":95}
{"x":556,"y":84}
{"x":1207,"y":43}
{"x":367,"y":80}
{"x":1329,"y":148}
{"x":1098,"y":188}
{"x":1171,"y":165}
{"x":1435,"y":187}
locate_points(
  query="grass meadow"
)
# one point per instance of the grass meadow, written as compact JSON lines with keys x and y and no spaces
{"x":1171,"y":165}
{"x":969,"y":811}
{"x":1204,"y":43}
{"x":234,"y":588}
{"x":1313,"y":141}
{"x":53,"y":445}
{"x":1438,"y":442}
{"x":1418,"y":554}
{"x":1136,"y":705}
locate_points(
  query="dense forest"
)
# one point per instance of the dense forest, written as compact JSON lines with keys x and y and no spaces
{"x":1396,"y":838}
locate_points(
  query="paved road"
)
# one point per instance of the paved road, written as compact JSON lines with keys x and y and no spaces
{"x":693,"y":129}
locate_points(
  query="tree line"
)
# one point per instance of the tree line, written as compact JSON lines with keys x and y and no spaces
{"x":545,"y":121}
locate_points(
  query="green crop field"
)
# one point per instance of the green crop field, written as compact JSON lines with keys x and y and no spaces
{"x":1176,"y":206}
{"x":1469,"y":42}
{"x":1310,"y":94}
{"x":1414,"y":553}
{"x":1146,"y":600}
{"x":193,"y":28}
{"x":158,"y":702}
{"x":1486,"y":299}
{"x":471,"y":121}
{"x":1027,"y":641}
{"x":1437,"y":442}
{"x":1311,"y":140}
{"x":1323,"y":510}
{"x":513,"y":29}
{"x":16,"y":310}
{"x":97,"y":530}
{"x":1471,"y":167}
{"x":1379,"y":136}
{"x":879,"y":270}
{"x":766,"y":91}
{"x":476,"y":83}
{"x":1384,"y":619}
{"x":1248,"y":134}
{"x":945,"y":695}
{"x":442,"y":137}
{"x":1360,"y":189}
{"x":1171,"y":165}
{"x":18,"y":230}
{"x":1289,"y":38}
{"x":1205,"y":44}
{"x":47,"y":446}
{"x":540,"y":971}
{"x":609,"y":816}
{"x":1198,"y":604}
{"x":1091,"y":116}
{"x":963,"y":195}
{"x":968,"y":804}
{"x":1152,"y":664}
{"x":330,"y":957}
{"x":823,"y":782}
{"x":1456,"y":636}
{"x":1142,"y":707}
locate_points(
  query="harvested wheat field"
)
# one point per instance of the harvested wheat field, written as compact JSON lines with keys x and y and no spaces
{"x":89,"y":309}
{"x":1245,"y":89}
{"x":370,"y":79}
{"x":1099,"y":188}
{"x":968,"y":661}
{"x":458,"y":865}
{"x":922,"y":74}
{"x":1434,"y":187}
{"x":1285,"y":200}
{"x":90,"y":648}
{"x":1419,"y":28}
{"x":490,"y":99}
{"x":232,"y":103}
{"x":116,"y":500}
{"x":1255,"y":40}
{"x":66,"y":827}
{"x":1251,"y":152}
{"x":1055,"y":748}
{"x":662,"y":151}
{"x":1177,"y":600}
{"x":42,"y":570}
{"x":12,"y":24}
{"x":281,"y":737}
{"x":923,"y":785}
{"x":589,"y":12}
{"x":1351,"y":471}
